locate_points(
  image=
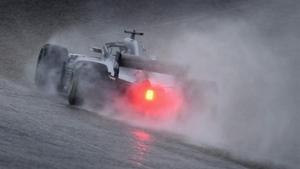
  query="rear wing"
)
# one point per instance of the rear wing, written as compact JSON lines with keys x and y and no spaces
{"x":142,"y":63}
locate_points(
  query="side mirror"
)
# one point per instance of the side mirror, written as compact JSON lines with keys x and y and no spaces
{"x":97,"y":50}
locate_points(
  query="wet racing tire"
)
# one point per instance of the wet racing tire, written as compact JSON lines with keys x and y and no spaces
{"x":89,"y":80}
{"x":50,"y":66}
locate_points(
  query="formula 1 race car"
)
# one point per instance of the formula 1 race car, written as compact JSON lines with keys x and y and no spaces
{"x":121,"y":76}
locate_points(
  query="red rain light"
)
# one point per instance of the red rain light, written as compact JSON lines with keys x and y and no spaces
{"x":153,"y":100}
{"x":149,"y":95}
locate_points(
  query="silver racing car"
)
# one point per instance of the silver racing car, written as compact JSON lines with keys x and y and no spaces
{"x":122,"y":76}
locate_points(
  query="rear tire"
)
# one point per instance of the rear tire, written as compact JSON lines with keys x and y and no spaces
{"x":89,"y":79}
{"x":74,"y":97}
{"x":50,"y":66}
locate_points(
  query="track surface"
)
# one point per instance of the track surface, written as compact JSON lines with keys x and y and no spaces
{"x":39,"y":131}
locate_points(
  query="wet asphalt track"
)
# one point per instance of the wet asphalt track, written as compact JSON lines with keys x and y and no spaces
{"x":40,"y":131}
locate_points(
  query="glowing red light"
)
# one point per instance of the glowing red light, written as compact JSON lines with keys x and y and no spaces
{"x":153,"y":100}
{"x":149,"y":94}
